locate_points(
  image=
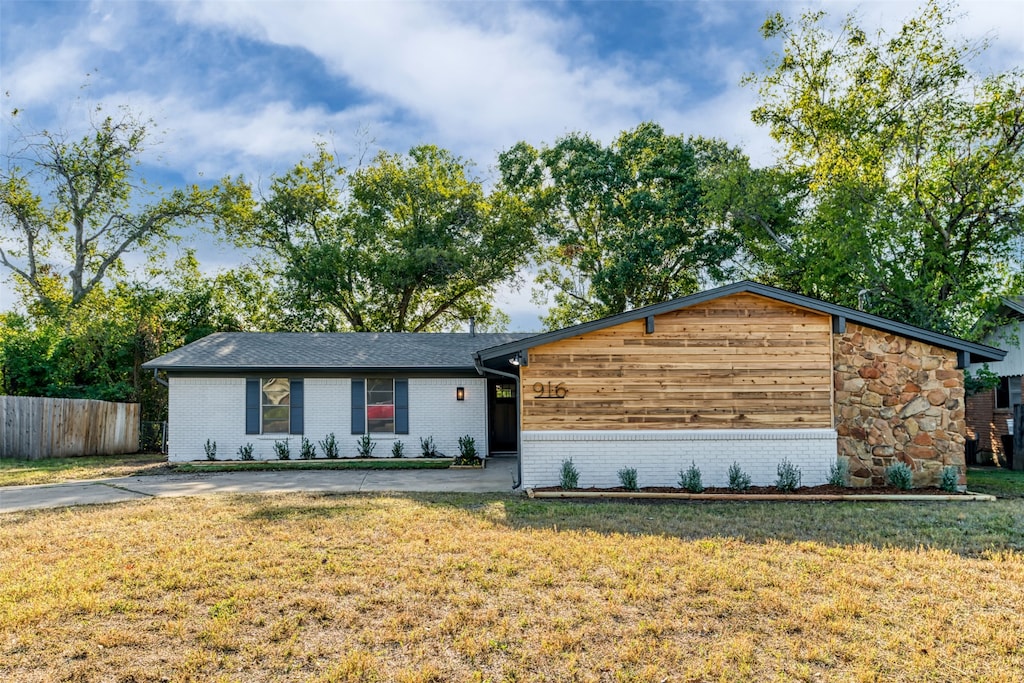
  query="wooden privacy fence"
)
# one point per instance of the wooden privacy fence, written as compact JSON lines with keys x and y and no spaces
{"x":39,"y":428}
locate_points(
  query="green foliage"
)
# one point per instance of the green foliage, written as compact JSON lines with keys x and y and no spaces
{"x":79,"y":207}
{"x":365,"y":446}
{"x":307,"y":451}
{"x":899,"y":475}
{"x":409,"y":243}
{"x":211,"y":449}
{"x":839,"y":473}
{"x":909,"y":167}
{"x":427,"y":448}
{"x":329,"y":445}
{"x":950,"y":480}
{"x":980,"y":381}
{"x":467,"y":451}
{"x":738,"y":479}
{"x":282,"y":450}
{"x":398,"y":449}
{"x":788,"y":476}
{"x":627,"y":478}
{"x":245,"y":452}
{"x":622,"y":226}
{"x":568,"y":475}
{"x":690,"y":479}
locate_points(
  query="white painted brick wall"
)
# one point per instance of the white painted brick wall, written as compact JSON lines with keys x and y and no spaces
{"x":202,"y":408}
{"x":658,"y":456}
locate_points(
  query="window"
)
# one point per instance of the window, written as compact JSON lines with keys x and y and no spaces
{"x":1015,"y":391}
{"x":275,"y":406}
{"x":504,"y":393}
{"x":380,"y":406}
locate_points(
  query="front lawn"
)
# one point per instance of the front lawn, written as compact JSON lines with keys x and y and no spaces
{"x":52,"y":471}
{"x":997,"y":481}
{"x":501,"y":588}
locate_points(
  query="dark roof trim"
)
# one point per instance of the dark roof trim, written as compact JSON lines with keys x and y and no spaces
{"x":313,"y":371}
{"x":978,"y":352}
{"x":1017,"y":309}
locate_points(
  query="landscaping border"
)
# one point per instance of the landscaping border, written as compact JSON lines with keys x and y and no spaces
{"x":733,"y":497}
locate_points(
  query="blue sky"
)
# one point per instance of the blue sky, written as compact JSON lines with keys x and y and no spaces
{"x":246,"y":87}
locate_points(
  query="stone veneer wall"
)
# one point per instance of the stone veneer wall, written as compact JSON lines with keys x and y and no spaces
{"x":897,"y":400}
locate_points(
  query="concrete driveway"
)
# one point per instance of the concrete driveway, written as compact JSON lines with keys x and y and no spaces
{"x":497,"y":477}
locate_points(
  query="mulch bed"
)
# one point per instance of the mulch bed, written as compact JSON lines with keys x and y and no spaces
{"x":824,"y":489}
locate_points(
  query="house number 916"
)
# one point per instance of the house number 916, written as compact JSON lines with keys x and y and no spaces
{"x":549,"y":390}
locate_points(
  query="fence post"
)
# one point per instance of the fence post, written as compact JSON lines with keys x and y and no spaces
{"x":1018,"y":437}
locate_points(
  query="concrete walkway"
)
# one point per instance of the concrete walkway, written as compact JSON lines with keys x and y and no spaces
{"x":497,"y":477}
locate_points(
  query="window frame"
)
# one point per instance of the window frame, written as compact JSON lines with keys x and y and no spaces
{"x":286,"y":405}
{"x":367,"y":404}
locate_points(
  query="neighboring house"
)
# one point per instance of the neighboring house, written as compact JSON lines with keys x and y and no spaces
{"x":989,"y":414}
{"x":744,"y":373}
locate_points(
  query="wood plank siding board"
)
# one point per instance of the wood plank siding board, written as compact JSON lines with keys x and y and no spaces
{"x":741,"y":361}
{"x":718,"y":302}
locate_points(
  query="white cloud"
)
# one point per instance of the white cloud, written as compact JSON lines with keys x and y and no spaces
{"x":484,"y":85}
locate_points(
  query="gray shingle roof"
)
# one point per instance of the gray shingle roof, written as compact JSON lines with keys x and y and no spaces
{"x":247,"y":351}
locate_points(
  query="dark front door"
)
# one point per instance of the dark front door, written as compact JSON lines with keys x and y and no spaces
{"x":501,"y":406}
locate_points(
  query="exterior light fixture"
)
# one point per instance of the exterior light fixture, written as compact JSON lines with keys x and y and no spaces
{"x":460,"y":394}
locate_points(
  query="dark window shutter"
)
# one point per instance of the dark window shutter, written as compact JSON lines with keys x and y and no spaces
{"x":358,"y":406}
{"x":296,"y":400}
{"x":401,"y":406}
{"x":252,"y":406}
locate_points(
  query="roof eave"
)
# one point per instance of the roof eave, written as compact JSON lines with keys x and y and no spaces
{"x":239,"y":369}
{"x":977,"y":351}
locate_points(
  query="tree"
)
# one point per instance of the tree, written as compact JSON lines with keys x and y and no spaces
{"x":408,"y":243}
{"x":914,"y":167}
{"x":626,"y":225}
{"x":80,"y":203}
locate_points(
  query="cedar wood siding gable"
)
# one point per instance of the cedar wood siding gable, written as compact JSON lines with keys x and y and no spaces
{"x":738,"y":361}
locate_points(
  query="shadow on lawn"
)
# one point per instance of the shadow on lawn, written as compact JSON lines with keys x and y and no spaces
{"x":967,"y":529}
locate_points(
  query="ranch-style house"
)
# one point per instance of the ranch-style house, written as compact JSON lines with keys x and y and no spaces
{"x":743,"y":373}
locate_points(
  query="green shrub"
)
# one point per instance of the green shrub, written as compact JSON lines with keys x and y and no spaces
{"x":789,"y":476}
{"x":569,"y":476}
{"x":282,"y":450}
{"x":950,"y":479}
{"x":329,"y":445}
{"x":211,"y":450}
{"x":307,"y":451}
{"x":839,"y":473}
{"x":627,"y":477}
{"x":427,"y":448}
{"x":245,"y":452}
{"x":398,"y":450}
{"x":467,"y":451}
{"x":738,"y":479}
{"x":899,"y":475}
{"x":690,"y":479}
{"x":365,"y":446}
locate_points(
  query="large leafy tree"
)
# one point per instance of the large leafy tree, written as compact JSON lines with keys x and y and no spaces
{"x":913,"y":167}
{"x":626,"y":225}
{"x":71,"y":209}
{"x":407,"y":243}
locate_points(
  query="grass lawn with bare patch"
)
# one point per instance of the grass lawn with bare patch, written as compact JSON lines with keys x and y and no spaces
{"x":55,"y":470}
{"x":501,"y":588}
{"x":996,"y":481}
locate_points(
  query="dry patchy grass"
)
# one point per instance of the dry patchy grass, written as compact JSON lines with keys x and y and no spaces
{"x":55,"y":470}
{"x":496,"y":588}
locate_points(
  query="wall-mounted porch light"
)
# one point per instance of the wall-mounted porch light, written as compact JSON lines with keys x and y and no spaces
{"x":460,"y":394}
